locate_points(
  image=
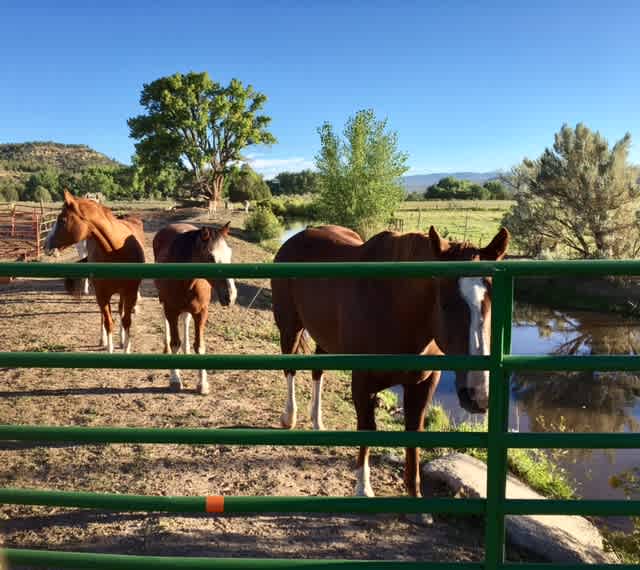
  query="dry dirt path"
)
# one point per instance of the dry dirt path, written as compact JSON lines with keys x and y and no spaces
{"x":38,"y":315}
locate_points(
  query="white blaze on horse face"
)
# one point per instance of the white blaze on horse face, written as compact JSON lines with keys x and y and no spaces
{"x":316,"y":404}
{"x":82,"y":249}
{"x":473,"y":291}
{"x":288,"y":418}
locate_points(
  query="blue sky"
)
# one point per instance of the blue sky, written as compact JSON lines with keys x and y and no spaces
{"x":467,"y":85}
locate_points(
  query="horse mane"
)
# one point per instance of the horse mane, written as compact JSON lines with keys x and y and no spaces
{"x":181,"y":248}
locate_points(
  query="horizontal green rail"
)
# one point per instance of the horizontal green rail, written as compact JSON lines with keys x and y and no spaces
{"x":335,"y":505}
{"x":86,"y":560}
{"x":322,"y":270}
{"x":241,"y":436}
{"x":234,"y":504}
{"x":242,"y":362}
{"x":385,"y":362}
{"x":234,"y":436}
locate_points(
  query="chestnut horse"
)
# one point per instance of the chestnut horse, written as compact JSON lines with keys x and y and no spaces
{"x":109,"y":239}
{"x":184,"y":243}
{"x":429,"y":316}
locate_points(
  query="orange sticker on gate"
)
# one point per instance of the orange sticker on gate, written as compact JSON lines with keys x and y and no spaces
{"x":214,"y":504}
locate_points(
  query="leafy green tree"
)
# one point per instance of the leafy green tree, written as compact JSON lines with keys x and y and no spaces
{"x":246,"y":184}
{"x":42,"y":194}
{"x":497,"y":190}
{"x":200,"y":126}
{"x":98,"y":179}
{"x":359,"y":175}
{"x":581,"y":195}
{"x":46,"y":178}
{"x":295,"y":183}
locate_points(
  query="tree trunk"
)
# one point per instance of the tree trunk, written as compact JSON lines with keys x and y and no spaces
{"x":218,"y":181}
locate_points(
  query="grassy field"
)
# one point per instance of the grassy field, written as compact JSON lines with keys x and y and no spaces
{"x":474,"y":220}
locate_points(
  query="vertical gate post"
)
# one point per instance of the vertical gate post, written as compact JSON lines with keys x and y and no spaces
{"x":502,"y":305}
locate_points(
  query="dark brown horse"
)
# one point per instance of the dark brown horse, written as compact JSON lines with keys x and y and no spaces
{"x":109,"y":239}
{"x":428,"y":316}
{"x":184,"y":243}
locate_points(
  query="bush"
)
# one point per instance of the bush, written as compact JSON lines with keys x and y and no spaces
{"x":262,"y":224}
{"x":292,"y":207}
{"x":41,"y":194}
{"x":9,"y":195}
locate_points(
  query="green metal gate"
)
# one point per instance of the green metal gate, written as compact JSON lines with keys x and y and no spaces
{"x":497,"y":440}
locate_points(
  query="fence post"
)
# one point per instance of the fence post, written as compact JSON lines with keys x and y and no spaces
{"x":502,"y":303}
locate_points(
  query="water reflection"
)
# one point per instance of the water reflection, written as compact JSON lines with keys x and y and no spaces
{"x":585,"y":401}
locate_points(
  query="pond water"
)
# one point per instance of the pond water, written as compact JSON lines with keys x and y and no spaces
{"x":572,"y":401}
{"x":292,"y":227}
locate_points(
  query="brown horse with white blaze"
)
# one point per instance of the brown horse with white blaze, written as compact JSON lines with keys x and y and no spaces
{"x":429,"y":316}
{"x":110,"y":240}
{"x":184,"y":243}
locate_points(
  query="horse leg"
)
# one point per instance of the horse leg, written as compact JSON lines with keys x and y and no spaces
{"x":316,"y":395}
{"x":365,"y":403}
{"x":125,"y":321}
{"x":200,"y":320}
{"x":85,"y":286}
{"x":416,"y":399}
{"x":167,"y":337}
{"x":104,"y":302}
{"x":175,"y":381}
{"x":123,"y":334}
{"x":289,"y":342}
{"x":186,"y":348}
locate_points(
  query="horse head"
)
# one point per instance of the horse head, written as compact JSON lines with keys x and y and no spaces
{"x":211,"y":247}
{"x":73,"y":224}
{"x":466,"y":313}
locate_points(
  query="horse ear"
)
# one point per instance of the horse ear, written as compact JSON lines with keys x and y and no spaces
{"x":498,"y":246}
{"x":68,"y":197}
{"x":205,"y":234}
{"x":224,"y":230}
{"x":440,"y":246}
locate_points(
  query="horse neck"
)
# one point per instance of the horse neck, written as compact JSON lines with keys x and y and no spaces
{"x":109,"y":232}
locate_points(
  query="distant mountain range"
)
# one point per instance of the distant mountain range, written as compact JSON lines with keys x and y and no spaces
{"x":422,"y":181}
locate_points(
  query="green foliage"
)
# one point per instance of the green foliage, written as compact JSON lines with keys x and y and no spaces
{"x":626,"y":545}
{"x":451,"y":188}
{"x":533,"y":466}
{"x":297,"y":207}
{"x":262,"y":224}
{"x":360,"y":175}
{"x":246,"y":184}
{"x":195,"y":124}
{"x":581,"y":196}
{"x":42,"y":194}
{"x":46,"y":179}
{"x":295,"y":183}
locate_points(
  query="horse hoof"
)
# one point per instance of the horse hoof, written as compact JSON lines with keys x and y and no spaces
{"x":319,"y":427}
{"x":288,"y":421}
{"x":203,"y":389}
{"x":422,"y":519}
{"x":175,"y":386}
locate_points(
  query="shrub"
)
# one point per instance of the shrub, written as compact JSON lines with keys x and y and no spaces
{"x":262,"y":224}
{"x":41,"y":194}
{"x":9,"y":195}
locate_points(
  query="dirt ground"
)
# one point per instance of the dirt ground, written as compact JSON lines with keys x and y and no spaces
{"x":37,"y":315}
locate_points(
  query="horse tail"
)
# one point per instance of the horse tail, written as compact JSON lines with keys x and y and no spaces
{"x":74,"y":286}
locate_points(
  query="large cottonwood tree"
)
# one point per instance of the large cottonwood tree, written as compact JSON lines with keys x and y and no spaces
{"x":198,"y":125}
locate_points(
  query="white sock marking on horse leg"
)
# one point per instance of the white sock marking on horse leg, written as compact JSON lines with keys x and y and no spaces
{"x":186,"y":345}
{"x":110,"y":343}
{"x":85,"y":286}
{"x":175,"y":381}
{"x":127,"y":341}
{"x":289,"y":416}
{"x":167,"y":337}
{"x":123,"y":334}
{"x":363,"y":483}
{"x":316,"y":404}
{"x":103,"y":335}
{"x":203,"y":383}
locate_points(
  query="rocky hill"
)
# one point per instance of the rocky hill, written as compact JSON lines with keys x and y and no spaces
{"x":20,"y":159}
